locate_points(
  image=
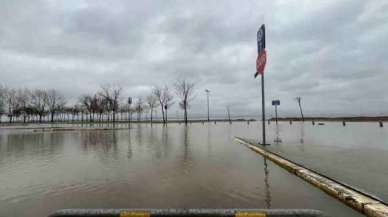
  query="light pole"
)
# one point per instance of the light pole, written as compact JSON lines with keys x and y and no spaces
{"x":299,"y":99}
{"x":208,"y":114}
{"x":129,"y":110}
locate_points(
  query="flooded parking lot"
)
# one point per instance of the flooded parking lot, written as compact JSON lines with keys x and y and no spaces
{"x":356,"y":154}
{"x":171,"y":167}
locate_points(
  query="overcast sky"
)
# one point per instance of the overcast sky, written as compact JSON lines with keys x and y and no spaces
{"x":331,"y":53}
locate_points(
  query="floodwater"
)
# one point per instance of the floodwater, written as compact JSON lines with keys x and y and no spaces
{"x":355,"y":154}
{"x":198,"y":166}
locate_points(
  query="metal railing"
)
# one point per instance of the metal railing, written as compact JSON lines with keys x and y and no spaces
{"x":186,"y":213}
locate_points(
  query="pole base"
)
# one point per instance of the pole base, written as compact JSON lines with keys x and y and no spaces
{"x":263,"y":144}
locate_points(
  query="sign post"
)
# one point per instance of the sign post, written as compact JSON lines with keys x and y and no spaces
{"x":260,"y":65}
{"x":276,"y":103}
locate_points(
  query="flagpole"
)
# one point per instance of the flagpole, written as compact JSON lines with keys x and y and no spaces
{"x":263,"y":108}
{"x":260,"y":65}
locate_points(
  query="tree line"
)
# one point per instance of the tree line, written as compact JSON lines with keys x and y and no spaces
{"x":105,"y":105}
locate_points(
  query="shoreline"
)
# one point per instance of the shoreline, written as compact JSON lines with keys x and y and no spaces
{"x":338,"y":119}
{"x":297,"y":119}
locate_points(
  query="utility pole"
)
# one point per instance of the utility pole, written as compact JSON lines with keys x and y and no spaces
{"x":208,"y":114}
{"x":129,"y":110}
{"x":228,"y":113}
{"x":299,"y":99}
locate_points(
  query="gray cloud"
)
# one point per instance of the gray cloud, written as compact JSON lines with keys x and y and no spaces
{"x":331,"y":53}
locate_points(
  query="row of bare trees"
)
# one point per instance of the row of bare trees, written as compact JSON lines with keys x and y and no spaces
{"x":40,"y":105}
{"x":28,"y":104}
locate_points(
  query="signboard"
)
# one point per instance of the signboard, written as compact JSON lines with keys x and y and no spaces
{"x":261,"y":52}
{"x":261,"y":39}
{"x":275,"y":102}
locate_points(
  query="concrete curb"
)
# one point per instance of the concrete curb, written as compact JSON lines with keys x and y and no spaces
{"x":363,"y":203}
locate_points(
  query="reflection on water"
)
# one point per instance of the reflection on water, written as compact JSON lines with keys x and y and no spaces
{"x":129,"y":152}
{"x":267,"y":187}
{"x":99,"y":139}
{"x":182,"y":166}
{"x":25,"y":145}
{"x":356,"y":154}
{"x":185,"y":143}
{"x":277,"y":139}
{"x":139,"y":134}
{"x":301,"y":133}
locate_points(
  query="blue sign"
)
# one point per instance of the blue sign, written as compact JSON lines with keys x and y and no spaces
{"x":275,"y":102}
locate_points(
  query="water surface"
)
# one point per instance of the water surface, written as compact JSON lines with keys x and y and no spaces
{"x":198,"y":166}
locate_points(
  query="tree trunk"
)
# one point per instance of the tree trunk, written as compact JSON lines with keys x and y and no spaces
{"x":52,"y":116}
{"x":164,"y":120}
{"x":185,"y":110}
{"x":151,"y":114}
{"x":185,"y":114}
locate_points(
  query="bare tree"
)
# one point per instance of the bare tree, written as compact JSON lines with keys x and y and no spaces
{"x":12,"y":103}
{"x":3,"y":97}
{"x":151,"y":102}
{"x":23,"y":97}
{"x":100,"y":106}
{"x":157,"y":91}
{"x":111,"y":95}
{"x":55,"y":102}
{"x":139,"y":108}
{"x":86,"y":102}
{"x":184,"y":90}
{"x":299,"y":99}
{"x":165,"y":98}
{"x":39,"y":100}
{"x":81,"y":109}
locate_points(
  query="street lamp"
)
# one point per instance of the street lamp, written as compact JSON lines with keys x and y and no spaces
{"x":207,"y":94}
{"x":299,"y":99}
{"x":129,"y":109}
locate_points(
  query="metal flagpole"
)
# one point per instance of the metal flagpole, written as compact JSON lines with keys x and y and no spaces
{"x":208,"y":113}
{"x":260,"y":65}
{"x":263,"y":108}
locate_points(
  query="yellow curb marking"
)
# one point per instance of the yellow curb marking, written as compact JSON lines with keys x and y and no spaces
{"x":249,"y":214}
{"x":134,"y":214}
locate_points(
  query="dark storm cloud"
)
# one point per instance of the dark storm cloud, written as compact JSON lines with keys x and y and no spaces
{"x":331,"y":53}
